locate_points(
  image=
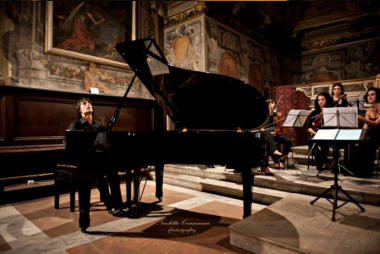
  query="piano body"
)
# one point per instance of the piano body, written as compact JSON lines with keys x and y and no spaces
{"x":213,"y":117}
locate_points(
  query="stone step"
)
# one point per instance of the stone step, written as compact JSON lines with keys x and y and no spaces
{"x":260,"y":195}
{"x":302,"y":159}
{"x":289,"y":181}
{"x":305,"y":150}
{"x":301,"y":149}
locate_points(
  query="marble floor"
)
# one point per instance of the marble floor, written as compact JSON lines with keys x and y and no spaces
{"x":186,"y":221}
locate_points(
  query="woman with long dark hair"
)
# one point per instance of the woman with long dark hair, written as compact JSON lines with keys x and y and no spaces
{"x":364,"y":154}
{"x":320,"y":152}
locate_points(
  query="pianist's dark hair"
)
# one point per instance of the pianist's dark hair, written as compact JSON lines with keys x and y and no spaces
{"x":77,"y":107}
{"x":377,"y":92}
{"x":329,"y":101}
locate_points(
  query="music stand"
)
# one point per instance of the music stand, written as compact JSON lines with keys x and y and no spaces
{"x":296,"y":118}
{"x":338,"y":137}
{"x":357,"y":101}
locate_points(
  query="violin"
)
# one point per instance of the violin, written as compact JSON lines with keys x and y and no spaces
{"x":317,"y":122}
{"x":279,"y":120}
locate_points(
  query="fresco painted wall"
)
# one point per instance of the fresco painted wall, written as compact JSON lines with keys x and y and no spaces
{"x":233,"y":54}
{"x":184,"y":45}
{"x":222,"y":51}
{"x":23,"y":61}
{"x":341,"y":42}
{"x":358,"y":60}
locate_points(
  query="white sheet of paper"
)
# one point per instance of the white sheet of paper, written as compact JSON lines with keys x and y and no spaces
{"x":296,"y":118}
{"x":326,"y":134}
{"x":348,"y":117}
{"x":94,"y":90}
{"x":349,"y":134}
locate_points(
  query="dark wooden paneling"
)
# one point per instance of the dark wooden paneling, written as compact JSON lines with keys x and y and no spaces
{"x":33,"y":123}
{"x":40,"y":117}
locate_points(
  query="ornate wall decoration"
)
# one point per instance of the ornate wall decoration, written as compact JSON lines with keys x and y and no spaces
{"x":247,"y":55}
{"x":255,"y":78}
{"x":180,"y":47}
{"x":29,"y":65}
{"x":184,"y":46}
{"x":230,"y":41}
{"x":89,"y":30}
{"x":228,"y":66}
{"x":185,"y":14}
{"x":321,"y":68}
{"x":357,"y":60}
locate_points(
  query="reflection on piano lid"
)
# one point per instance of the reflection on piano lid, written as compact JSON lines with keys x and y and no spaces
{"x":192,"y":99}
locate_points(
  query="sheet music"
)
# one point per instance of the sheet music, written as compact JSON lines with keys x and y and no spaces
{"x":304,"y":114}
{"x":349,"y":134}
{"x":348,"y":117}
{"x":290,"y":119}
{"x":326,"y":134}
{"x":296,"y":118}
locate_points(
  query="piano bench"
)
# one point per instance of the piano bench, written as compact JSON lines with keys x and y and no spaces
{"x":64,"y":182}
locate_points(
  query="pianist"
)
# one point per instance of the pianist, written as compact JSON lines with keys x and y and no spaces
{"x":93,"y":166}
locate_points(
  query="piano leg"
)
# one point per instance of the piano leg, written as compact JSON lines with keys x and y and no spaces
{"x":246,"y":176}
{"x":128,"y":180}
{"x":159,"y":169}
{"x":136,"y":195}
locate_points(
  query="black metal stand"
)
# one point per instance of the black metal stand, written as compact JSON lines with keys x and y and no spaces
{"x":335,"y":188}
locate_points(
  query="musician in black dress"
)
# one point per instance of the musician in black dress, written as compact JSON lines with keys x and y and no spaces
{"x":93,"y":166}
{"x":365,"y":153}
{"x":284,"y":143}
{"x":338,"y":95}
{"x":270,"y":143}
{"x":320,"y":152}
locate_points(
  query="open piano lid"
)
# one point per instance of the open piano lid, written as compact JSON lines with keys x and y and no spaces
{"x":192,"y":99}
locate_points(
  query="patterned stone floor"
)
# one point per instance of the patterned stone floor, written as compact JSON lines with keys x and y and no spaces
{"x":186,"y":221}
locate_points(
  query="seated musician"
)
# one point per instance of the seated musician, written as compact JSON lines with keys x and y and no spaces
{"x":365,"y":153}
{"x":270,"y":143}
{"x":92,"y":168}
{"x":340,"y":100}
{"x":338,"y":95}
{"x":279,"y":134}
{"x":320,"y":152}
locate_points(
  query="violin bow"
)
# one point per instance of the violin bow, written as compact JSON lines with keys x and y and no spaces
{"x":278,"y":101}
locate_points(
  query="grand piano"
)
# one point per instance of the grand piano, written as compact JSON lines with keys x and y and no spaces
{"x":213,"y":115}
